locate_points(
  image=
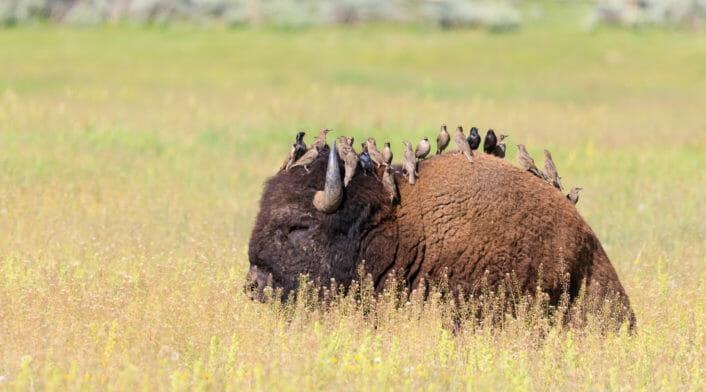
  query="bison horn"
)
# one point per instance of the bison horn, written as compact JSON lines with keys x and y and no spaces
{"x":328,"y":200}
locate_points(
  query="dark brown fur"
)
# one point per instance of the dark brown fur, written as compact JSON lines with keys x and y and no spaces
{"x":460,"y":217}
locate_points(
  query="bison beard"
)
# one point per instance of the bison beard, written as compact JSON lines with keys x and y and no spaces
{"x":471,"y":221}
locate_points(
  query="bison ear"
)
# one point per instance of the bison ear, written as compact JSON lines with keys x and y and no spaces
{"x":328,"y":200}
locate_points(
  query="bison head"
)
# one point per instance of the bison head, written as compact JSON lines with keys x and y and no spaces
{"x":301,"y":229}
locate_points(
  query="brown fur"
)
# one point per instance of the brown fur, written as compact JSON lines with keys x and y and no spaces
{"x":460,"y":217}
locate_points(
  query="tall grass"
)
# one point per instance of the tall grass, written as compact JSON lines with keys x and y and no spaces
{"x":131,"y":163}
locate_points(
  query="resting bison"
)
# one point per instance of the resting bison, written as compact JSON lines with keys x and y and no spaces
{"x":471,"y":220}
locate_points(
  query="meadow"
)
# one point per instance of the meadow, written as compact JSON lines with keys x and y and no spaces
{"x":132,"y":160}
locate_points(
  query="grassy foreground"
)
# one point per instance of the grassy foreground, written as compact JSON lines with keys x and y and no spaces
{"x":131,"y":164}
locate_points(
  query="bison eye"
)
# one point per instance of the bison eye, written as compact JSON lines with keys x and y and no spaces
{"x":297,"y":232}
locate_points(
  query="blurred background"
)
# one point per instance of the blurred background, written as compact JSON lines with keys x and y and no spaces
{"x":135,"y":136}
{"x":493,"y":14}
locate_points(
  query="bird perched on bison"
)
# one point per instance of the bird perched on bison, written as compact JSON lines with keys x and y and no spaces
{"x":422,"y":149}
{"x":462,"y":144}
{"x":375,"y":154}
{"x":301,"y":146}
{"x":490,"y":142}
{"x":320,"y":141}
{"x":473,"y":138}
{"x":307,"y":158}
{"x":475,"y":223}
{"x":409,"y":163}
{"x":499,"y":150}
{"x":298,"y":149}
{"x":350,"y":160}
{"x":366,"y":161}
{"x":573,"y":195}
{"x":342,"y":142}
{"x":387,"y":153}
{"x":388,"y":182}
{"x":442,"y":140}
{"x":527,"y":163}
{"x":550,"y":170}
{"x":290,"y":158}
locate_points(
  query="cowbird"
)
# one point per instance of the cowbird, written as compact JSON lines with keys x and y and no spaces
{"x":307,"y":158}
{"x":573,"y":195}
{"x":388,"y":182}
{"x":374,"y":153}
{"x":490,"y":142}
{"x":366,"y":162}
{"x":342,"y":141}
{"x":550,"y":169}
{"x":527,"y":162}
{"x":350,"y":162}
{"x":387,"y":153}
{"x":423,"y":148}
{"x":499,"y":150}
{"x":290,"y":158}
{"x":462,"y":144}
{"x":474,"y":139}
{"x":350,"y":140}
{"x":320,"y":141}
{"x":442,"y":140}
{"x":409,"y":162}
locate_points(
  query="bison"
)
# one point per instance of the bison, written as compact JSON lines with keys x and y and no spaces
{"x":472,"y":222}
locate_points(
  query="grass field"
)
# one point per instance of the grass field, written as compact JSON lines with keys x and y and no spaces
{"x":131,"y":164}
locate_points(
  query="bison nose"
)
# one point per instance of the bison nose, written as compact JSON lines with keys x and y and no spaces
{"x":255,"y":282}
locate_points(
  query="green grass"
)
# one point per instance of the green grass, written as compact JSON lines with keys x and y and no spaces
{"x":131,"y":164}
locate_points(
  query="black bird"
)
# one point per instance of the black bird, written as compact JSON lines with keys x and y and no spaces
{"x":297,"y":151}
{"x":301,"y":146}
{"x":500,"y":147}
{"x":366,"y":162}
{"x":474,"y":139}
{"x":490,"y":142}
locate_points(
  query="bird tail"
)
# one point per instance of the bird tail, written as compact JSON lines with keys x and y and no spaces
{"x":538,"y":173}
{"x":558,"y":184}
{"x":469,"y":156}
{"x":412,"y":178}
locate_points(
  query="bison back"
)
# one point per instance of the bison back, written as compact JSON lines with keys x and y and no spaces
{"x":490,"y":219}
